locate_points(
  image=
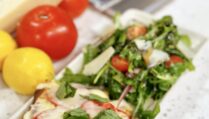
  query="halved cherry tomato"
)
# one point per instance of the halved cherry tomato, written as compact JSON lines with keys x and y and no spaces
{"x":120,"y":63}
{"x":173,"y":60}
{"x":48,"y":28}
{"x":74,"y":8}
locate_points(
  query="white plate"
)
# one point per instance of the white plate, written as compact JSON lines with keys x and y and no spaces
{"x":128,"y":18}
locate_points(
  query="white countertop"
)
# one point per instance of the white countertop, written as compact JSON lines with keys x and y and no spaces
{"x":190,"y":14}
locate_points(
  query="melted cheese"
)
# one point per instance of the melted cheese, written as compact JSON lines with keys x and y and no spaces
{"x":44,"y":109}
{"x":40,"y":106}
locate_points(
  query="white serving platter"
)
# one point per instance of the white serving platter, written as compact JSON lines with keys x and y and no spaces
{"x":129,"y":17}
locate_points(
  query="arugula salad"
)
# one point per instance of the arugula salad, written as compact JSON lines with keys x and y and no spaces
{"x":138,"y":64}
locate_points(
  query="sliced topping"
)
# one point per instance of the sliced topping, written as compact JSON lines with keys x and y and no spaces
{"x":173,"y":60}
{"x":126,"y":107}
{"x":40,"y":106}
{"x":91,"y":108}
{"x":136,"y":31}
{"x":95,"y":65}
{"x":143,"y":45}
{"x":56,"y":113}
{"x":155,"y":57}
{"x":120,"y":63}
{"x":76,"y":114}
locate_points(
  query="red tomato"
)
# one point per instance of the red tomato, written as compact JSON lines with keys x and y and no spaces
{"x":120,"y":63}
{"x":74,"y":8}
{"x":48,"y":28}
{"x":173,"y":60}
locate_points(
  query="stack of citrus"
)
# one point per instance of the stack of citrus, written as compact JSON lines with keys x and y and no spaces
{"x":24,"y":68}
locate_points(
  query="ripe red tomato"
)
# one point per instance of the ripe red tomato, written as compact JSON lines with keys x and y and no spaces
{"x":74,"y":8}
{"x":173,"y":60}
{"x":48,"y":28}
{"x":120,"y":63}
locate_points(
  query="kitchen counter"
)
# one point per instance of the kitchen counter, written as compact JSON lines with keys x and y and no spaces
{"x":190,"y":14}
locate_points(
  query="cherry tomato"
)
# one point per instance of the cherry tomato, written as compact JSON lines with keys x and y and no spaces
{"x":48,"y":28}
{"x":136,"y":31}
{"x":74,"y":8}
{"x":173,"y":60}
{"x":120,"y":63}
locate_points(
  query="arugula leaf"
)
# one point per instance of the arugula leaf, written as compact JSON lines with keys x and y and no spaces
{"x":76,"y":114}
{"x":99,"y":74}
{"x":117,"y":40}
{"x":96,"y":98}
{"x":109,"y":42}
{"x":190,"y":65}
{"x":114,"y":89}
{"x":107,"y":114}
{"x":131,"y":52}
{"x":75,"y":78}
{"x":65,"y":90}
{"x":186,"y":40}
{"x":151,"y":114}
{"x":90,"y":52}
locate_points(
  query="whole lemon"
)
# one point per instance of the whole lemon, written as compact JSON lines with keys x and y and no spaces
{"x":7,"y":45}
{"x":25,"y":68}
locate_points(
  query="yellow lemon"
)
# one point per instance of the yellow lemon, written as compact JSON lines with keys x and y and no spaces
{"x":25,"y":68}
{"x":7,"y":45}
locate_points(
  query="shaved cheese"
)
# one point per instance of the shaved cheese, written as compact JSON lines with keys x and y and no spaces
{"x":185,"y":50}
{"x":157,"y":57}
{"x":143,"y":44}
{"x":13,"y":10}
{"x":94,"y":66}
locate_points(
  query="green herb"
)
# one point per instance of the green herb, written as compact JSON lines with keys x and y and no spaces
{"x":96,"y":98}
{"x":186,"y":40}
{"x":107,"y":114}
{"x":65,"y":90}
{"x":76,"y":114}
{"x":90,"y":52}
{"x":70,"y":77}
{"x":100,"y":73}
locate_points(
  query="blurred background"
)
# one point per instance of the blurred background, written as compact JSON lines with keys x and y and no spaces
{"x":122,"y":5}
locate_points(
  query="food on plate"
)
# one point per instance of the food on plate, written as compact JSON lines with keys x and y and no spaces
{"x":84,"y":102}
{"x":12,"y":7}
{"x":48,"y":28}
{"x":131,"y":75}
{"x":74,"y":8}
{"x":7,"y":45}
{"x":25,"y":68}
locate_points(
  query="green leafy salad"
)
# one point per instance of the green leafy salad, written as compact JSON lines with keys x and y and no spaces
{"x":138,"y":64}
